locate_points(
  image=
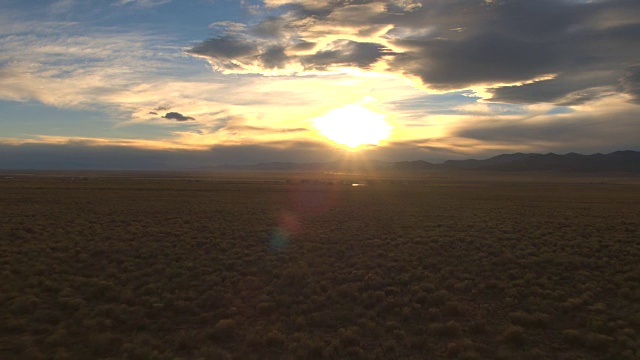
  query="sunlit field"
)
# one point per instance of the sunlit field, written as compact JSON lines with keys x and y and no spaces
{"x":290,"y":266}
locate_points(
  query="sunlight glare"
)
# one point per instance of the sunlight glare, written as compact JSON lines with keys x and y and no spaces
{"x":353,"y":126}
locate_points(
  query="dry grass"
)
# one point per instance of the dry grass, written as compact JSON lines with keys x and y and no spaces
{"x":166,"y":268}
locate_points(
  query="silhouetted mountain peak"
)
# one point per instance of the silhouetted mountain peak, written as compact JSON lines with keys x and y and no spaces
{"x":477,"y":164}
{"x":619,"y":161}
{"x":417,"y":165}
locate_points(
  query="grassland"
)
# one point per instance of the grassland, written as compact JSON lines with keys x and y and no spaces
{"x":258,"y":268}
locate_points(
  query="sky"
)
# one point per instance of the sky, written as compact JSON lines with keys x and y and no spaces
{"x":167,"y":84}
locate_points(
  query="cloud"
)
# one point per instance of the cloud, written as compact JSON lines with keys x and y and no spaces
{"x":520,"y":51}
{"x":71,"y":65}
{"x":120,"y":74}
{"x":485,"y":59}
{"x":231,"y":53}
{"x":226,"y":49}
{"x":630,"y":82}
{"x":62,"y":6}
{"x":142,"y":3}
{"x":301,"y":39}
{"x":345,"y":53}
{"x":500,"y":66}
{"x":177,"y":116}
{"x":569,"y":88}
{"x":262,"y":129}
{"x":606,"y":124}
{"x":103,"y":154}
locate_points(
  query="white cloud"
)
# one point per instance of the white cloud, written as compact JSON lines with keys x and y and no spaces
{"x":130,"y":75}
{"x":69,"y":65}
{"x":142,"y":3}
{"x":62,"y":6}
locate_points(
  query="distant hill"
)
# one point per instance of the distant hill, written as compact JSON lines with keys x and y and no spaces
{"x":273,"y":166}
{"x":616,"y":162}
{"x":334,"y":166}
{"x":480,"y":164}
{"x":414,"y":165}
{"x":619,"y":161}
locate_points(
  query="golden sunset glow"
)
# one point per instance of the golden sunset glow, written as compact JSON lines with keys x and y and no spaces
{"x":311,"y":80}
{"x":353,"y":126}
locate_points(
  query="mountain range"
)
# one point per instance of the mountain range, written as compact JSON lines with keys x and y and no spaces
{"x":616,"y":162}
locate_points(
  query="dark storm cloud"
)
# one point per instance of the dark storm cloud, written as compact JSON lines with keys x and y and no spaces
{"x":581,"y":48}
{"x":225,"y":49}
{"x":581,"y":43}
{"x":273,"y":57}
{"x":224,"y":53}
{"x":303,"y":46}
{"x":449,"y":65}
{"x":346,"y":53}
{"x":177,"y":116}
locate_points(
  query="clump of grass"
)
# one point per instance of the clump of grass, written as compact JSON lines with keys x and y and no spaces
{"x":348,"y":338}
{"x":213,"y":353}
{"x":439,"y":298}
{"x":274,"y":339}
{"x":450,"y":329}
{"x":453,"y":350}
{"x":224,"y":330}
{"x":312,"y":350}
{"x":434,"y":314}
{"x":130,"y":277}
{"x":573,"y":337}
{"x":470,"y":355}
{"x":536,"y":320}
{"x":453,"y":309}
{"x":478,"y":327}
{"x":513,"y":335}
{"x":599,"y":342}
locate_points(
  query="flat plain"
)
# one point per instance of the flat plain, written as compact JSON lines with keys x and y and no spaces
{"x":291,"y":266}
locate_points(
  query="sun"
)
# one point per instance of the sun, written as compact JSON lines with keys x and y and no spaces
{"x":353,"y":126}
